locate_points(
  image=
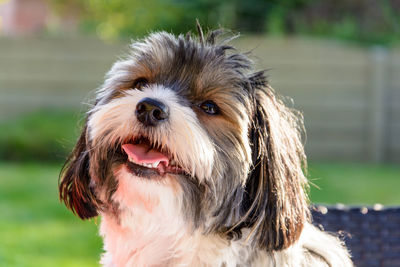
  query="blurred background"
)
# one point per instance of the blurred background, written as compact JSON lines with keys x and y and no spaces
{"x":339,"y":60}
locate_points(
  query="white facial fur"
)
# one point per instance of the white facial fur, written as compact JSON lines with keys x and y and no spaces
{"x":182,"y":134}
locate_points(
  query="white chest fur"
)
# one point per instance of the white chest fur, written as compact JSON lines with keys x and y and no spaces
{"x":149,"y":230}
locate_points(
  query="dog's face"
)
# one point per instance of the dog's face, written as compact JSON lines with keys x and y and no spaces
{"x":189,"y":114}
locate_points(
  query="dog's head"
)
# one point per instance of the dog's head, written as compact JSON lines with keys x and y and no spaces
{"x":191,"y":110}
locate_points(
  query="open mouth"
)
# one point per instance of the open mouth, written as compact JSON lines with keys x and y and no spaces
{"x":145,"y":159}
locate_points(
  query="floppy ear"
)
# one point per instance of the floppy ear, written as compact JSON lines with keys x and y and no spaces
{"x":74,"y":181}
{"x":276,"y":201}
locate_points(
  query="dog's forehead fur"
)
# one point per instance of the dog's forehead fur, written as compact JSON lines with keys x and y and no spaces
{"x":185,"y":62}
{"x":196,"y":70}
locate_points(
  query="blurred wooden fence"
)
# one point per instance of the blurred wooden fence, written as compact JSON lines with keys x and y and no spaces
{"x":350,"y":96}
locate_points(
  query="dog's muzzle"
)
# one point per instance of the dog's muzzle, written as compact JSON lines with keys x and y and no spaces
{"x":151,"y":112}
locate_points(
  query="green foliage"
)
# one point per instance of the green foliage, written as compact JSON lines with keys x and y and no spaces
{"x":366,"y":22}
{"x":362,"y":21}
{"x":119,"y":18}
{"x":43,"y":135}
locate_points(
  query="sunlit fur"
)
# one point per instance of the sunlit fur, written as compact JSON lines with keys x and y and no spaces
{"x":242,"y":200}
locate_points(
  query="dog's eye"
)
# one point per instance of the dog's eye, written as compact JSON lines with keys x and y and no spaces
{"x":139,"y":83}
{"x":209,"y":107}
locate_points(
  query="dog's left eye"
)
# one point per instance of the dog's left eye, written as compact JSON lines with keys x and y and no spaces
{"x":209,"y":107}
{"x":139,"y":83}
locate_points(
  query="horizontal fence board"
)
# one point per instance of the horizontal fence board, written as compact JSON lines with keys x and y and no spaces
{"x":394,"y":100}
{"x":394,"y":89}
{"x":316,"y":112}
{"x":344,"y":136}
{"x":62,"y":57}
{"x":337,"y":145}
{"x":394,"y":115}
{"x":321,"y":154}
{"x":394,"y":77}
{"x":50,"y":67}
{"x":57,"y":47}
{"x":56,"y":76}
{"x":44,"y":101}
{"x":394,"y":133}
{"x":20,"y":86}
{"x":294,"y":49}
{"x":308,"y":85}
{"x":322,"y":150}
{"x":394,"y":142}
{"x":316,"y":72}
{"x":25,"y":99}
{"x":306,"y":61}
{"x":357,"y":128}
{"x":395,"y":55}
{"x":328,"y":100}
{"x":394,"y":156}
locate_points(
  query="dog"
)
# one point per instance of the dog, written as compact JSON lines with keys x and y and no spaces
{"x":191,"y":159}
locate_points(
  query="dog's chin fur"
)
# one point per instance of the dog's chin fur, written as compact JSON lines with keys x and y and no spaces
{"x":230,"y":190}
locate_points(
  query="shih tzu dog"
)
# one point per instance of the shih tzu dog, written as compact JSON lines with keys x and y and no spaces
{"x":192,"y":160}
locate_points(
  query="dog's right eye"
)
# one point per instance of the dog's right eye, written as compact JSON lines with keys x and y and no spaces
{"x":139,"y":83}
{"x":209,"y":107}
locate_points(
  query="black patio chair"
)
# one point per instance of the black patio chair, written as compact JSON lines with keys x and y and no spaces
{"x":372,"y":234}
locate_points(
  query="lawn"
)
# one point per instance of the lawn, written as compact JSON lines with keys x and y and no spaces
{"x":36,"y":230}
{"x":352,"y":183}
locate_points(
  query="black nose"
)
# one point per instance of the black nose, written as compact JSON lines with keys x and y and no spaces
{"x":151,"y":112}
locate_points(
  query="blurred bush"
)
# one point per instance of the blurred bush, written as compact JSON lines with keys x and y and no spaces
{"x":46,"y":135}
{"x":369,"y":21}
{"x":119,"y":18}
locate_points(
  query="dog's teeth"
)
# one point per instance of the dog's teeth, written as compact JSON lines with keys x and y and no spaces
{"x":172,"y":162}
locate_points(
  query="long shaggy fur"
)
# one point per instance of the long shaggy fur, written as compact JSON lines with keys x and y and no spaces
{"x":241,"y":200}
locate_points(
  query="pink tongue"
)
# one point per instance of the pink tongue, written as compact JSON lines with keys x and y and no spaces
{"x":142,"y":154}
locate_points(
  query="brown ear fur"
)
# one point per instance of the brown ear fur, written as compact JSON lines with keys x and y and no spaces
{"x":277,"y":206}
{"x":74,"y":181}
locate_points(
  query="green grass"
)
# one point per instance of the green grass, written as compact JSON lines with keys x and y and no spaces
{"x":37,"y":230}
{"x":352,"y":183}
